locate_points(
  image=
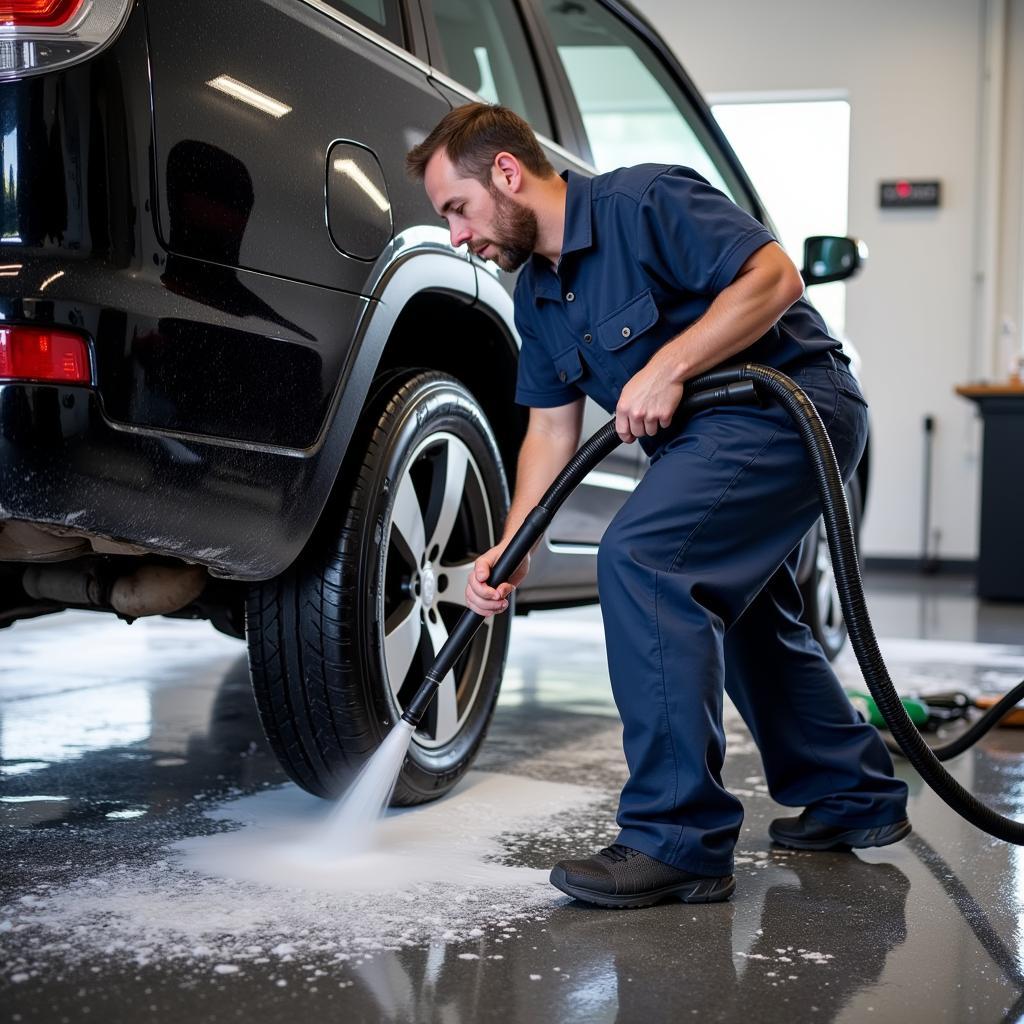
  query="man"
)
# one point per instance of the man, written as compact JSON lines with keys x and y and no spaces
{"x":634,"y":282}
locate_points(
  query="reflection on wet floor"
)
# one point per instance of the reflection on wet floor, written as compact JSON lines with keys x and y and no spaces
{"x":123,"y":752}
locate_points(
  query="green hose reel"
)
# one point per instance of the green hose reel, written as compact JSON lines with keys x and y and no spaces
{"x":917,"y":710}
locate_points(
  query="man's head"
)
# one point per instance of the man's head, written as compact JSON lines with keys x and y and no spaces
{"x":477,"y":166}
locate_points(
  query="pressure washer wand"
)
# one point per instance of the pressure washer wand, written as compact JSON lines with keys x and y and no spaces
{"x":604,"y":441}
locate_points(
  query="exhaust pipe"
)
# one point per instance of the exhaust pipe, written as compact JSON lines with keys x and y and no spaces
{"x":157,"y":589}
{"x":149,"y":590}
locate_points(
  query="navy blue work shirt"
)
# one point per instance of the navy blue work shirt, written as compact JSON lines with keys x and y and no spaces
{"x":644,"y":253}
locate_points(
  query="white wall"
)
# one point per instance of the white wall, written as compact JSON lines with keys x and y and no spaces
{"x":911,"y":71}
{"x":1010,"y":300}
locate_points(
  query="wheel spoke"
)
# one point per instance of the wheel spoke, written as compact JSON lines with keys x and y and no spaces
{"x":824,"y":559}
{"x":438,"y":634}
{"x":824,"y":596}
{"x":458,"y":579}
{"x":407,"y":519}
{"x":456,"y":461}
{"x":447,"y":710}
{"x":835,"y":606}
{"x":402,"y":634}
{"x":822,"y":555}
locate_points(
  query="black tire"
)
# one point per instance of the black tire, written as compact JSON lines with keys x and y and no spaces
{"x":822,"y":611}
{"x":326,"y":637}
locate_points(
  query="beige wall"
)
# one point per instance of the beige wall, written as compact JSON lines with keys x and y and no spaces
{"x":912,"y":73}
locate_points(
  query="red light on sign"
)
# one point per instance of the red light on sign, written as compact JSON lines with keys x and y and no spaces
{"x":905,"y":193}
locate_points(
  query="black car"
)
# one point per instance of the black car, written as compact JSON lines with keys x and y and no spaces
{"x":244,"y":376}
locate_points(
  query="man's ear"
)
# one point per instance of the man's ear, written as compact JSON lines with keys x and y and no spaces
{"x":507,"y":173}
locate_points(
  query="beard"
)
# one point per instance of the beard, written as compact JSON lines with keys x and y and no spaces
{"x":515,"y":232}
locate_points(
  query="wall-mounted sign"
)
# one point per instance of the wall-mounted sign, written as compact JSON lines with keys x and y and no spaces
{"x":901,"y":194}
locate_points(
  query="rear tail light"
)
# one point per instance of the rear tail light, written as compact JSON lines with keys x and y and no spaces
{"x":42,"y":35}
{"x":38,"y":13}
{"x":43,"y":354}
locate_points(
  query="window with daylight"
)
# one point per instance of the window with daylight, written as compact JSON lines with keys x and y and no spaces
{"x":798,"y":155}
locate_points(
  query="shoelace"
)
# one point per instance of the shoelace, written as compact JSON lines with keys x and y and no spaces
{"x":618,"y":852}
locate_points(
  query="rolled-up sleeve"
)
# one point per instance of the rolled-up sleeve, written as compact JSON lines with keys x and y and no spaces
{"x":537,"y":382}
{"x":692,"y":236}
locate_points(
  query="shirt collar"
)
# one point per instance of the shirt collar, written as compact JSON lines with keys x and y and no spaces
{"x":576,"y":234}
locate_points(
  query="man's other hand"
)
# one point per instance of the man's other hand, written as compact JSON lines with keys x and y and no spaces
{"x":647,"y":402}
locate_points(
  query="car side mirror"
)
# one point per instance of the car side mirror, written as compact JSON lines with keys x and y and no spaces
{"x":832,"y":258}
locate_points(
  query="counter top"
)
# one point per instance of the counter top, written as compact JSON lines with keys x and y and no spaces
{"x":1005,"y":389}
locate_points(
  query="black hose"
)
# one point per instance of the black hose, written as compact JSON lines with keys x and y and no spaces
{"x":851,"y":596}
{"x":969,"y":737}
{"x":729,"y":386}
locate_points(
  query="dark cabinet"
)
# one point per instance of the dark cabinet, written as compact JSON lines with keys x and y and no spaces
{"x":1001,"y":543}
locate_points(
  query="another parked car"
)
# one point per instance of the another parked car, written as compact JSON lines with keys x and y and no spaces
{"x":244,"y":376}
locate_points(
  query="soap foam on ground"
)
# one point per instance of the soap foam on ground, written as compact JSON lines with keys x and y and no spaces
{"x":239,"y":897}
{"x":453,"y":842}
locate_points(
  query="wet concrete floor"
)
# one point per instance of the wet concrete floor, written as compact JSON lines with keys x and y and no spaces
{"x":128,"y":754}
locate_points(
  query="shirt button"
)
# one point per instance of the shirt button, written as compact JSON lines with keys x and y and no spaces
{"x":587,"y":338}
{"x":626,"y":332}
{"x":562,"y":375}
{"x":569,"y":296}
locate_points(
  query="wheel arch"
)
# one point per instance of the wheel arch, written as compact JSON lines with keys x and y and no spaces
{"x":475,"y":344}
{"x":426,"y":313}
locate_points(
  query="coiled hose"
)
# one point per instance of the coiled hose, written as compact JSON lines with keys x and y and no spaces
{"x":746,"y":383}
{"x":970,"y":736}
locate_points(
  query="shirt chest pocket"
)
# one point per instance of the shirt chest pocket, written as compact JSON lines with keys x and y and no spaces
{"x":568,"y":365}
{"x":627,"y":331}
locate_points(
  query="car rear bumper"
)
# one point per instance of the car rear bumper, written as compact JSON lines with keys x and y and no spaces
{"x":243,"y":513}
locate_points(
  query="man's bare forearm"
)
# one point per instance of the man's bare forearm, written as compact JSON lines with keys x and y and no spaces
{"x":765,"y":288}
{"x":541,"y":458}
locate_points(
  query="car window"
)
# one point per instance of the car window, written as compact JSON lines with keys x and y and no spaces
{"x":486,"y":50}
{"x":632,"y":109}
{"x":383,"y":16}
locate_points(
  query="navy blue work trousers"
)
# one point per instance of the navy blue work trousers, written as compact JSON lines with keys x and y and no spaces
{"x":696,"y":576}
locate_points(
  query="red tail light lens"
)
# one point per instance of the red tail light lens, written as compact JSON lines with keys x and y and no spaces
{"x":46,"y":354}
{"x":38,"y":13}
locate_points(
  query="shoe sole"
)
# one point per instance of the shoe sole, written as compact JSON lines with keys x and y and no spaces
{"x":854,"y":839}
{"x":700,"y":890}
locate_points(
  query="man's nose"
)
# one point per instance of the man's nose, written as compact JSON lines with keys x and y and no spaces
{"x":460,"y":235}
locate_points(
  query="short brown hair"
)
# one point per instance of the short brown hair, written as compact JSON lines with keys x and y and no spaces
{"x":473,"y":135}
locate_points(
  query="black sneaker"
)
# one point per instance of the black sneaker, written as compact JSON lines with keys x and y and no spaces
{"x":619,"y":876}
{"x":808,"y":833}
